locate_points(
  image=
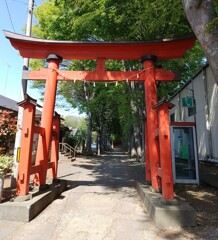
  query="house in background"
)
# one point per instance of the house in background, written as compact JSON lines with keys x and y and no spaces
{"x":8,"y":104}
{"x":201,"y":92}
{"x":11,"y":105}
{"x":194,"y":120}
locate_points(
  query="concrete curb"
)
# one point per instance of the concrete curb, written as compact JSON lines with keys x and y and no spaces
{"x":166,"y":214}
{"x":26,"y":211}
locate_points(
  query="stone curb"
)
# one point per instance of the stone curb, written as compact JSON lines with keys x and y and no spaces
{"x":27,"y":210}
{"x":166,"y":214}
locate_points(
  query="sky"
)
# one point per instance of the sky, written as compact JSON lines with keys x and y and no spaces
{"x":13,"y":18}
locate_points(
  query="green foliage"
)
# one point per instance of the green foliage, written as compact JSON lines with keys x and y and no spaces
{"x":72,"y":121}
{"x":81,"y":127}
{"x":47,"y":15}
{"x":114,"y":20}
{"x":36,"y":64}
{"x":213,"y":25}
{"x":215,"y":5}
{"x":159,"y":19}
{"x":6,"y":164}
{"x":113,"y":108}
{"x":110,"y":20}
{"x":102,"y":106}
{"x":188,"y":66}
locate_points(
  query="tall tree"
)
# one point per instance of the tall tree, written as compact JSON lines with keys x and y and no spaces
{"x":114,"y":20}
{"x":203,"y":18}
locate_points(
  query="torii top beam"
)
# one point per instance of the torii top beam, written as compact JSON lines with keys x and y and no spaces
{"x":37,"y":48}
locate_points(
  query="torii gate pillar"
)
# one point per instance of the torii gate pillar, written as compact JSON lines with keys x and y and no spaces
{"x":42,"y":156}
{"x":162,"y":49}
{"x":152,"y":146}
{"x":165,"y":168}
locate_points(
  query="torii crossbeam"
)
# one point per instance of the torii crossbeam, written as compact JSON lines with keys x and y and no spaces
{"x":147,"y":52}
{"x":117,"y":50}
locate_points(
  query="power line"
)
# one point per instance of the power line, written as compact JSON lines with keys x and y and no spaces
{"x":9,"y":15}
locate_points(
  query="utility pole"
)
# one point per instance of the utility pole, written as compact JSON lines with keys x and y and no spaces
{"x":23,"y":92}
{"x":6,"y":79}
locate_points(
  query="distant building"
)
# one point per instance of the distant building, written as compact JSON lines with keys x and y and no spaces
{"x":11,"y":105}
{"x":8,"y":104}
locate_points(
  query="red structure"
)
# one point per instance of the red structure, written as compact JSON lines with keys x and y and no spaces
{"x":47,"y":118}
{"x":26,"y":168}
{"x":162,"y":133}
{"x":147,"y":52}
{"x":53,"y":164}
{"x":152,"y":120}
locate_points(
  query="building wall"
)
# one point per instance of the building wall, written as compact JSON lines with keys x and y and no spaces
{"x":205,"y":92}
{"x":213,"y":111}
{"x":200,"y":117}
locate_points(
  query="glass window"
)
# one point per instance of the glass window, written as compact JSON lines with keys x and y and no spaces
{"x":191,"y":111}
{"x":172,"y":117}
{"x":184,"y":158}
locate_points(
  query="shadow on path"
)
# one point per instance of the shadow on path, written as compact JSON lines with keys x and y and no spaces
{"x":115,"y":171}
{"x":107,"y":170}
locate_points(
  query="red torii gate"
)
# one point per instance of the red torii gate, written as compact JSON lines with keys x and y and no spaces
{"x":146,"y":52}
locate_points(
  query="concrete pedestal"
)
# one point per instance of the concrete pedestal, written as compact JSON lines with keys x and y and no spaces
{"x":166,"y":214}
{"x":27,"y":210}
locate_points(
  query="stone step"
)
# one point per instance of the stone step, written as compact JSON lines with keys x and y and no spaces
{"x":63,"y":157}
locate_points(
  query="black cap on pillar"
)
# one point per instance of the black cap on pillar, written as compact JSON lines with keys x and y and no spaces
{"x":54,"y":57}
{"x":148,"y":57}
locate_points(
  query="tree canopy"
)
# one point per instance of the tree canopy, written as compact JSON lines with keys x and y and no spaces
{"x":112,"y":108}
{"x":110,"y":20}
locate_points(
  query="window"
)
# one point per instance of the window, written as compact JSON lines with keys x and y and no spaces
{"x":191,"y":111}
{"x":172,"y":117}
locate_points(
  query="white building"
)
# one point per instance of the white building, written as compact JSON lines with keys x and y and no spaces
{"x":204,"y":91}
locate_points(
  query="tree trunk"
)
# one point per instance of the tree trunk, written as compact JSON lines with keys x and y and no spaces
{"x":99,"y":143}
{"x":142,"y":117}
{"x":143,"y":142}
{"x":88,"y":149}
{"x":137,"y":112}
{"x":138,"y":143}
{"x":199,"y":13}
{"x":132,"y":149}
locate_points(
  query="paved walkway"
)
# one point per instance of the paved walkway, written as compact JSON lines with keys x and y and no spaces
{"x":101,"y":204}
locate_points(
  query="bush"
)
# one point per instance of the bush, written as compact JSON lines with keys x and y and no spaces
{"x":6,"y":164}
{"x":8,"y":128}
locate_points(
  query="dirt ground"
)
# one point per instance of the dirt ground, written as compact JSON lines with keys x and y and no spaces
{"x":204,"y":199}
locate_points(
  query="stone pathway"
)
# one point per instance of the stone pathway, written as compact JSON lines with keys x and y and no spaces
{"x":101,"y":204}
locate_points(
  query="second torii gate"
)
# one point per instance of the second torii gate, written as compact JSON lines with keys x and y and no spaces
{"x":146,"y":52}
